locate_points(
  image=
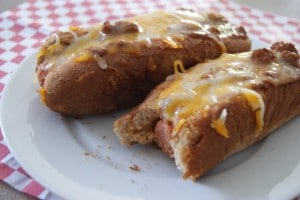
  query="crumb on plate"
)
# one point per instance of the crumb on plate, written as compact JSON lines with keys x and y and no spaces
{"x":134,"y":167}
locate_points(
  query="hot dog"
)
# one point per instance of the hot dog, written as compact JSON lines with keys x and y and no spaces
{"x":217,"y":108}
{"x":114,"y":65}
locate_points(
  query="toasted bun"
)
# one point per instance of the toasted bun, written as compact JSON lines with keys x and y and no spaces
{"x":217,"y":108}
{"x":114,"y":65}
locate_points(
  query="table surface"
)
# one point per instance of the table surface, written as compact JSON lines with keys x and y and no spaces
{"x":281,"y":7}
{"x":7,"y":192}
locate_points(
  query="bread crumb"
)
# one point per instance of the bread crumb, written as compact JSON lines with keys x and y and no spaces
{"x":86,"y":153}
{"x":134,"y":167}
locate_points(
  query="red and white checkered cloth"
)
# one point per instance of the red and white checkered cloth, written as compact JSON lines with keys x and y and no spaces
{"x":24,"y":28}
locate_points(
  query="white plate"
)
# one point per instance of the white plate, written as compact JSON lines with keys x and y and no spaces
{"x":82,"y":159}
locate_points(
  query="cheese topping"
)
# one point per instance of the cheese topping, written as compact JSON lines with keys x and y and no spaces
{"x":220,"y":125}
{"x":43,"y":95}
{"x":100,"y":61}
{"x":178,"y":66}
{"x":207,"y":83}
{"x":170,"y":27}
{"x":56,"y":45}
{"x":257,"y":103}
{"x":83,"y":57}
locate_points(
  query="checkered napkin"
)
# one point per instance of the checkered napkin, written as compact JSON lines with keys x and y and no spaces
{"x":24,"y":28}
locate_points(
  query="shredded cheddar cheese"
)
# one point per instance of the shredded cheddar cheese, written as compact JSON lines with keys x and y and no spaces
{"x":178,"y":125}
{"x":100,"y":61}
{"x":255,"y":100}
{"x":171,"y":42}
{"x":42,"y":92}
{"x":41,"y":53}
{"x":178,"y":66}
{"x":220,"y":125}
{"x":74,"y":28}
{"x":83,"y":58}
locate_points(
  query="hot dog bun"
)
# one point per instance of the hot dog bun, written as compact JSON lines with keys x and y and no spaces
{"x":217,"y":108}
{"x":114,"y":65}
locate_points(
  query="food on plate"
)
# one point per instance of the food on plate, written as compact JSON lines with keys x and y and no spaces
{"x":114,"y":65}
{"x":219,"y":107}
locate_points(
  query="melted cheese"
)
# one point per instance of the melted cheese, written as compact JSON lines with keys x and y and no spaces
{"x":172,"y":43}
{"x":42,"y":92}
{"x":74,"y":28}
{"x":56,"y":46}
{"x":178,"y":125}
{"x":81,"y":43}
{"x":83,"y":58}
{"x":220,"y":124}
{"x":256,"y":101}
{"x":100,"y":61}
{"x":178,"y":66}
{"x":207,"y":83}
{"x":170,"y":27}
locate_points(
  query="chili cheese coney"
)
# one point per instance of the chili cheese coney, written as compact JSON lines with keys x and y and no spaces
{"x":217,"y":108}
{"x":114,"y":65}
